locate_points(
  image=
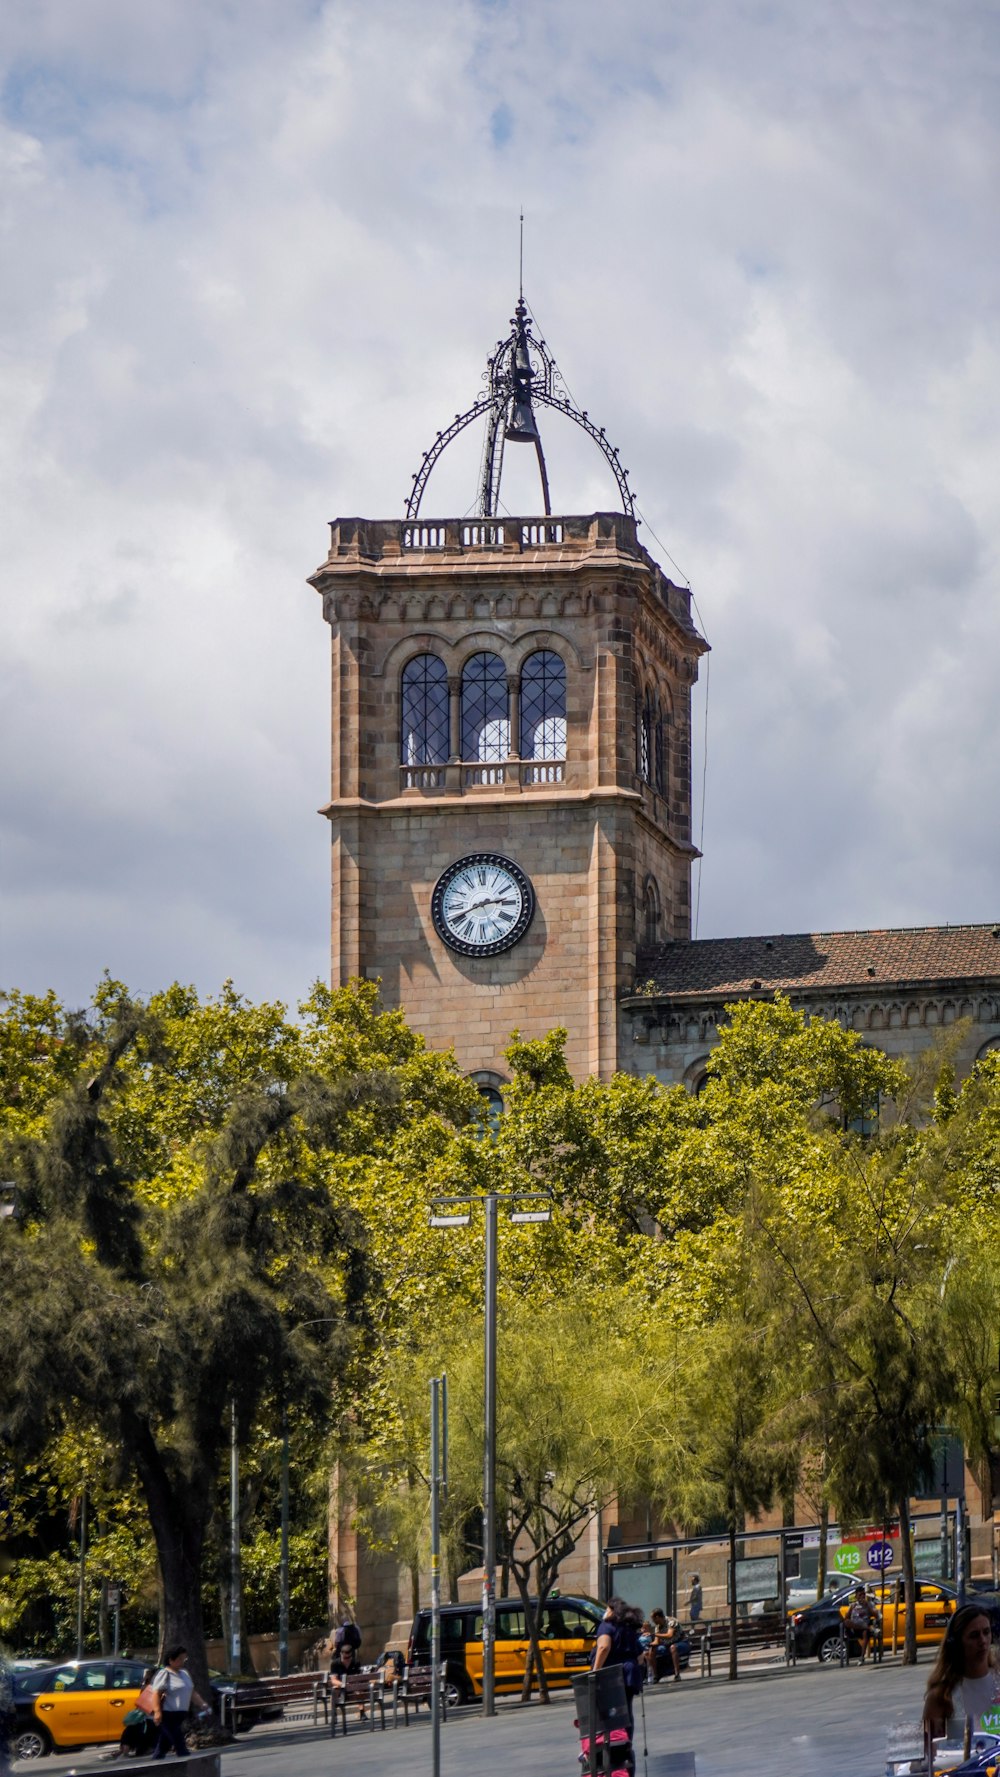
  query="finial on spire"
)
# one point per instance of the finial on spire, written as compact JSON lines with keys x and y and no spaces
{"x":520,"y":279}
{"x":520,"y":373}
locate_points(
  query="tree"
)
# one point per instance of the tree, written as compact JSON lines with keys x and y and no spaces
{"x":579,"y":1410}
{"x":183,"y":1192}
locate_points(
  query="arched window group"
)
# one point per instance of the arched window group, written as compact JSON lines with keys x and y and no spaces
{"x":651,"y":759}
{"x":484,"y":714}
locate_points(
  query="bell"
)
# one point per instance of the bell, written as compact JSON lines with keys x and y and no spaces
{"x":521,"y":427}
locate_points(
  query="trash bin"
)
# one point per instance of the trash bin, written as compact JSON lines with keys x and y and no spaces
{"x":603,"y":1722}
{"x":610,"y":1704}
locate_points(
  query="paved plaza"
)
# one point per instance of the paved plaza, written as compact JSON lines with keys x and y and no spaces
{"x":809,"y":1722}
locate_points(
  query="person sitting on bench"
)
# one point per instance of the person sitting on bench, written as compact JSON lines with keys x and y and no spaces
{"x":344,"y":1662}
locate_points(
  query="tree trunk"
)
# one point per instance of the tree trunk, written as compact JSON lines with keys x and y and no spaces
{"x":733,"y":1664}
{"x":178,"y":1516}
{"x":906,"y":1553}
{"x":534,"y":1664}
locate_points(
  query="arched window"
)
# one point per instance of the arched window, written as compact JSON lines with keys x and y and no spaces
{"x":643,"y":737}
{"x":485,"y":714}
{"x":493,"y":1107}
{"x":651,"y":911}
{"x":543,"y":707}
{"x":660,"y":751}
{"x":425,"y":711}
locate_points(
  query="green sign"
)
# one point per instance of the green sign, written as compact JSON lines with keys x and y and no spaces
{"x":847,"y":1559}
{"x":991,"y":1721}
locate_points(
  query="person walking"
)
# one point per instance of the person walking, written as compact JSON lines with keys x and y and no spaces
{"x":964,"y":1683}
{"x":618,"y":1644}
{"x":173,"y":1694}
{"x":695,"y":1599}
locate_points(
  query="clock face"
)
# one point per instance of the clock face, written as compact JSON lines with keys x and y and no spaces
{"x":482,"y":904}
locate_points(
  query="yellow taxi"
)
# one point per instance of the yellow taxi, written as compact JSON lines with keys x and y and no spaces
{"x":566,"y":1639}
{"x":817,"y":1628}
{"x":934,"y":1605}
{"x":78,"y":1703}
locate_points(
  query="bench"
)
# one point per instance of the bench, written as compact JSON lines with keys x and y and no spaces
{"x":363,"y":1690}
{"x":768,"y":1630}
{"x":415,"y":1687}
{"x":300,"y":1693}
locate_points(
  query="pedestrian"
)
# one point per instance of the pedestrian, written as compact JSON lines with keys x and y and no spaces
{"x":344,"y":1662}
{"x":964,"y":1682}
{"x":348,"y":1635}
{"x":861,"y":1621}
{"x":139,"y":1730}
{"x":670,"y":1645}
{"x":695,"y":1599}
{"x":173,"y":1694}
{"x":618,"y":1644}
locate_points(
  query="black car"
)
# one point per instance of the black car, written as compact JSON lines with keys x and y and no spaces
{"x":817,"y":1627}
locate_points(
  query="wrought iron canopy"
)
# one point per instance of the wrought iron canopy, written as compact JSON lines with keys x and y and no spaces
{"x":521,"y":374}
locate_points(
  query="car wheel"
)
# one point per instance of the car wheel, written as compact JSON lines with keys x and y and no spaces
{"x":456,"y":1690}
{"x":30,"y":1743}
{"x":829,"y":1648}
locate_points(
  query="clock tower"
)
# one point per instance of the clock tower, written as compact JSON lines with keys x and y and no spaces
{"x":510,"y":803}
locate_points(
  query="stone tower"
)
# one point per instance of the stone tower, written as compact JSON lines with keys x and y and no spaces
{"x":510,"y":806}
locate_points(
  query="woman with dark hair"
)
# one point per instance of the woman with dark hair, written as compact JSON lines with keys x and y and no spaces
{"x":964,"y":1682}
{"x":173,"y":1694}
{"x":618,"y":1644}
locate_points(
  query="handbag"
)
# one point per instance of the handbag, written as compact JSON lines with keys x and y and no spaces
{"x":145,"y":1701}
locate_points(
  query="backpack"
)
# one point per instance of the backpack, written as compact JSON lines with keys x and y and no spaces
{"x":348,"y":1635}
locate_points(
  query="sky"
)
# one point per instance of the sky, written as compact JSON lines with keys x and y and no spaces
{"x":255,"y":255}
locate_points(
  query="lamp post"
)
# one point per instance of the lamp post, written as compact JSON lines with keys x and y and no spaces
{"x":439,"y":1491}
{"x":235,"y":1573}
{"x":456,"y":1212}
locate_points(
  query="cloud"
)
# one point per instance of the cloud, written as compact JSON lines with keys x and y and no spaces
{"x":255,"y":255}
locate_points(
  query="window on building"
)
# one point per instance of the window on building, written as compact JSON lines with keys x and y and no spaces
{"x":492,"y":1107}
{"x":642,"y":737}
{"x":863,"y":1119}
{"x":660,"y":751}
{"x":425,"y":711}
{"x":485,"y":709}
{"x":651,"y":911}
{"x":543,"y":707}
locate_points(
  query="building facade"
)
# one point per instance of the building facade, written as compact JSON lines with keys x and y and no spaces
{"x":510,"y":816}
{"x":511,"y":717}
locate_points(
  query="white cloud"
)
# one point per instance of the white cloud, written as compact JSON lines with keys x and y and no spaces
{"x":255,"y":255}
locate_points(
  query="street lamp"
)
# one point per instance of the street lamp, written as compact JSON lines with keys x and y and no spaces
{"x":456,"y":1212}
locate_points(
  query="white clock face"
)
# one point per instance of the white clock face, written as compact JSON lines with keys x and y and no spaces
{"x":482,"y":904}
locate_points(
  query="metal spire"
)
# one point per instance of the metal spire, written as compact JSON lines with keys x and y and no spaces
{"x":520,"y":374}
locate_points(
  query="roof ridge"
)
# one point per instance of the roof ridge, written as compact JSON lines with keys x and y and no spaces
{"x":987,"y":925}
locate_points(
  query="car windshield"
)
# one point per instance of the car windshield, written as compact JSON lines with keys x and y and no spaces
{"x":30,"y":1684}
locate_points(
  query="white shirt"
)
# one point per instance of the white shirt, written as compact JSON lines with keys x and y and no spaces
{"x":974,"y":1696}
{"x":176,"y":1688}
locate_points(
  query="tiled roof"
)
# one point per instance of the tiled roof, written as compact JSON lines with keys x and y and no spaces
{"x":821,"y":961}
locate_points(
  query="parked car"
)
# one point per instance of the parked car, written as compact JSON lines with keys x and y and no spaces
{"x":77,"y":1703}
{"x":84,"y":1703}
{"x":817,"y":1629}
{"x":566,"y":1638}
